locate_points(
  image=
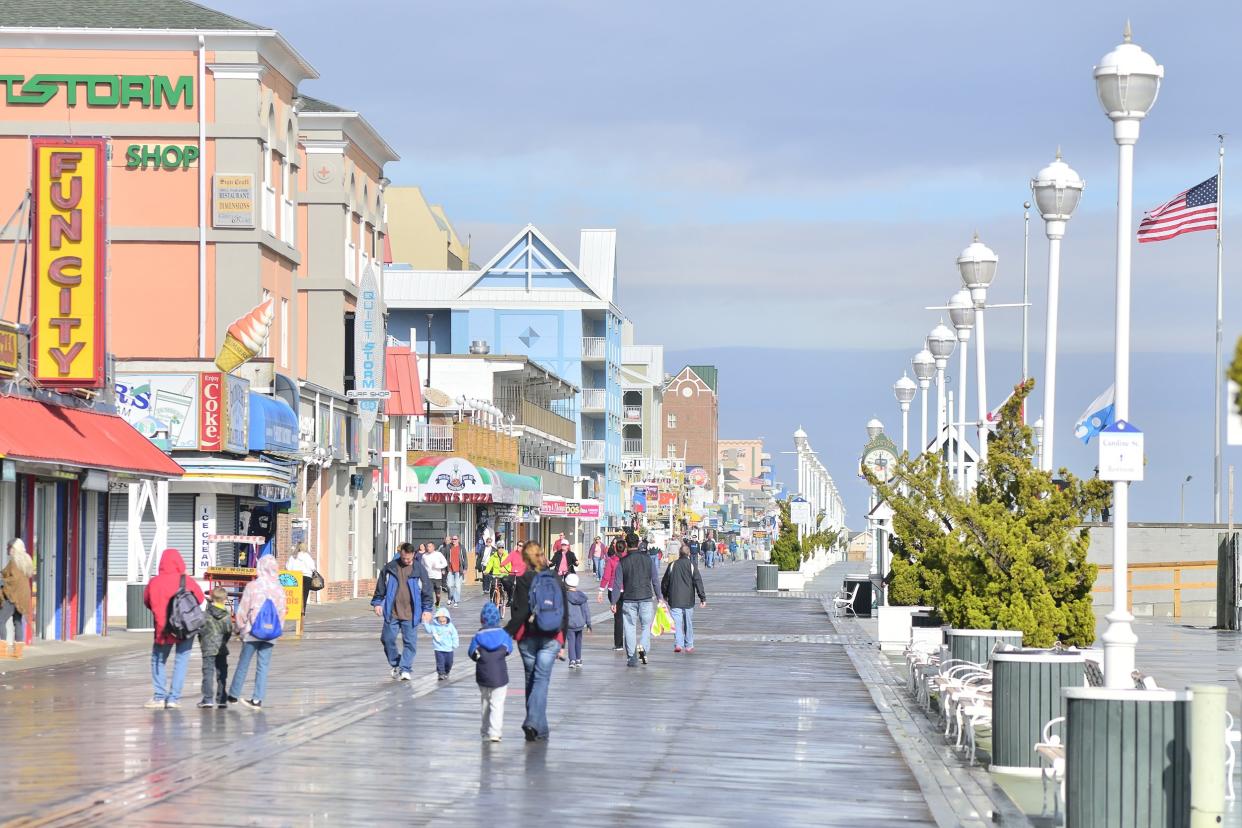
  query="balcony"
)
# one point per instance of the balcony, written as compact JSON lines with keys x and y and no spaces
{"x":632,"y":446}
{"x":481,"y":446}
{"x":554,"y":483}
{"x":593,"y":451}
{"x":528,"y":414}
{"x":594,"y":399}
{"x":632,"y":413}
{"x":594,"y":347}
{"x":431,"y":439}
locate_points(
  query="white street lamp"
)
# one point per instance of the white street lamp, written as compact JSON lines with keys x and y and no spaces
{"x":1127,"y":81}
{"x":941,"y":342}
{"x":977,"y":265}
{"x":962,"y":315}
{"x":924,"y":365}
{"x":874,"y":428}
{"x":904,"y":390}
{"x":1057,"y":189}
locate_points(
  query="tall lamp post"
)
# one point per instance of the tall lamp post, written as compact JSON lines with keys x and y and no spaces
{"x":924,"y":365}
{"x":427,"y":383}
{"x":1127,"y":81}
{"x":941,"y":342}
{"x":977,"y":266}
{"x":904,"y":390}
{"x":1057,"y":189}
{"x":1182,"y":511}
{"x":962,"y":315}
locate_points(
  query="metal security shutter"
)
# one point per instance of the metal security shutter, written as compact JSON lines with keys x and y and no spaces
{"x":180,"y":531}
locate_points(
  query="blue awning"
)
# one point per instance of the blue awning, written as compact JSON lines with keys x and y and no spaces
{"x":273,"y":425}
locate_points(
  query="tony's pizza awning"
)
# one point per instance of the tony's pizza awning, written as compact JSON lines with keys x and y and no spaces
{"x":35,"y":431}
{"x":457,"y":480}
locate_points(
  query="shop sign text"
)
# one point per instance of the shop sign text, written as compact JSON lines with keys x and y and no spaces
{"x":458,"y":497}
{"x":232,"y":200}
{"x":162,"y":157}
{"x":67,"y":348}
{"x":210,"y":427}
{"x":155,"y":91}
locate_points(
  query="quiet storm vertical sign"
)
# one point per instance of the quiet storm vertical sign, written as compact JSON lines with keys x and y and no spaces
{"x":68,"y":345}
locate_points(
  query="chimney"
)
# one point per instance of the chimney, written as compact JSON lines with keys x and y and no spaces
{"x":480,"y":346}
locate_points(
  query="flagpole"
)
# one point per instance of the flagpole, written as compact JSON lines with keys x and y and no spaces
{"x":1220,"y":326}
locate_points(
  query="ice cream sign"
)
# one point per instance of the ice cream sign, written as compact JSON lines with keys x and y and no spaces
{"x":245,"y":338}
{"x":67,"y":347}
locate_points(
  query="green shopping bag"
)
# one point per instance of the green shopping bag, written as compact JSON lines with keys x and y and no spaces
{"x":663,"y":621}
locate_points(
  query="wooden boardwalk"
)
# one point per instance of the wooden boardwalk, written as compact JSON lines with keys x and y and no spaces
{"x":767,"y":722}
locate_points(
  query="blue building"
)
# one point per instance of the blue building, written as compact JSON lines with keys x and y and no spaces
{"x":531,"y":299}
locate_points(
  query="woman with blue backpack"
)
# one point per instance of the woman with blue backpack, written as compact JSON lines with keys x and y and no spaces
{"x":260,"y":614}
{"x":540,"y":616}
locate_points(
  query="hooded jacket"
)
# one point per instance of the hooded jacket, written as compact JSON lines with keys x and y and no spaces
{"x":265,"y":585}
{"x":444,"y":637}
{"x":579,"y":611}
{"x":489,"y":648}
{"x":217,"y":628}
{"x":160,"y":590}
{"x":419,"y":585}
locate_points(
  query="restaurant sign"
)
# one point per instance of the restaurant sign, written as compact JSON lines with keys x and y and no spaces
{"x":456,"y":480}
{"x":557,"y":507}
{"x":67,"y":342}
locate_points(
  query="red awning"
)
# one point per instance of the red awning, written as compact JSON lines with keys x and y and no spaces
{"x":401,"y":377}
{"x":36,"y":430}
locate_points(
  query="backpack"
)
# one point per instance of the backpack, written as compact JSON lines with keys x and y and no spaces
{"x":266,"y":626}
{"x":185,"y":614}
{"x":547,"y":602}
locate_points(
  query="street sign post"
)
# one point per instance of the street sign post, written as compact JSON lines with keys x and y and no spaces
{"x":1121,"y":452}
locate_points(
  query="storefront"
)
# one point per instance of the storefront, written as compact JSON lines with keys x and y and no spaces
{"x":455,"y":497}
{"x":578,"y":520}
{"x":58,"y":463}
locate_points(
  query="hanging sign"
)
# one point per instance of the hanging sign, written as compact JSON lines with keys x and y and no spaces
{"x":67,"y":340}
{"x":8,"y":350}
{"x":1121,"y":452}
{"x":800,"y":512}
{"x":210,"y":427}
{"x":205,"y":531}
{"x":368,"y":350}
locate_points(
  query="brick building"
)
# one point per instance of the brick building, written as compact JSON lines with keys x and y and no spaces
{"x":692,"y":419}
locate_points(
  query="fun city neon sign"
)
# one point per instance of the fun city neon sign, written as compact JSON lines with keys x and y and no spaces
{"x":151,"y":91}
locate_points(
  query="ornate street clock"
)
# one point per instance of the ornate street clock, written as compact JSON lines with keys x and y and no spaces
{"x":880,"y":457}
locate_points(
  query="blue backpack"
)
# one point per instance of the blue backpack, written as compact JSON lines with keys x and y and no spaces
{"x":547,"y":602}
{"x":266,"y":626}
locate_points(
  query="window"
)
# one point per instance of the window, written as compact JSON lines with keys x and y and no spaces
{"x":284,"y":333}
{"x":672,"y":450}
{"x":672,"y":421}
{"x":267,"y":343}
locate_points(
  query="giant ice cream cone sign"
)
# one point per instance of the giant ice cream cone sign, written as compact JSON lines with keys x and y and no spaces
{"x":245,"y":338}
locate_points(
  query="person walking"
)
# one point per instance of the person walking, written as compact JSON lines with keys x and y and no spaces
{"x":564,"y":562}
{"x":681,"y":583}
{"x":444,"y":641}
{"x":257,"y":640}
{"x":538,"y":623}
{"x":301,"y":561}
{"x":597,"y":552}
{"x":15,"y":597}
{"x":436,"y":564}
{"x":402,"y":599}
{"x":213,"y":641}
{"x":608,"y":589}
{"x":579,"y":620}
{"x":707,"y":547}
{"x":159,"y":592}
{"x":488,"y":649}
{"x":456,"y":574}
{"x":639,"y":581}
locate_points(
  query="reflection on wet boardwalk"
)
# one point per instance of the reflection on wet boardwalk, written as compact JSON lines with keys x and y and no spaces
{"x":766,"y":722}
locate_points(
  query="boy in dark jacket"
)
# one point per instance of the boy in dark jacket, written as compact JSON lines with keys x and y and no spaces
{"x":579,"y":619}
{"x":214,"y":640}
{"x":489,"y":648}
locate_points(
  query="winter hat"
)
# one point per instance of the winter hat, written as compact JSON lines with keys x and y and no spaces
{"x":571,"y":580}
{"x":490,"y":617}
{"x":441,"y":611}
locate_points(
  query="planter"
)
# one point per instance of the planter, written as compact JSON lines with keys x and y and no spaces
{"x":977,"y":645}
{"x":895,"y":626}
{"x":790,"y":581}
{"x":1026,"y":694}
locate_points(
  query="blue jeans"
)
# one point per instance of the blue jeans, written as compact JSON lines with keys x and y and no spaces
{"x":250,"y":648}
{"x":409,"y":639}
{"x":597,"y":566}
{"x":638,"y":613}
{"x":455,"y":580}
{"x":181,"y":664}
{"x":538,"y":658}
{"x":683,"y":627}
{"x":444,"y":661}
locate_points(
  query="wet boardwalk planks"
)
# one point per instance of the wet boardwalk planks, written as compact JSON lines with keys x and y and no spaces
{"x":766,"y":722}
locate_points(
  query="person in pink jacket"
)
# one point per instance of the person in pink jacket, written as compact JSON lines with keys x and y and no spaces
{"x":265,"y":587}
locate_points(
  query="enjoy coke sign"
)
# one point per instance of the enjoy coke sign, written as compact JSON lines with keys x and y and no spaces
{"x":210,"y":429}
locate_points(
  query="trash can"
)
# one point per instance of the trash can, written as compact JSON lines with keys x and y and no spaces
{"x":1127,"y":756}
{"x":1026,"y":695}
{"x":977,"y":645}
{"x":765,"y":577}
{"x":862,"y":598}
{"x":137,"y":616}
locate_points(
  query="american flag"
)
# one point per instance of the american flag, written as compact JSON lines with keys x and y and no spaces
{"x":1194,"y":209}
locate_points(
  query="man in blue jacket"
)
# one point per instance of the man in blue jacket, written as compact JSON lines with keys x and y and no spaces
{"x":403,"y":599}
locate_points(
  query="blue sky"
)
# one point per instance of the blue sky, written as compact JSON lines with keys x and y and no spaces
{"x":800,"y":177}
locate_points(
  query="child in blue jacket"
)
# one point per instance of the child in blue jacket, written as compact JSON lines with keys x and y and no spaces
{"x":579,"y":619}
{"x":489,"y":648}
{"x":444,"y":641}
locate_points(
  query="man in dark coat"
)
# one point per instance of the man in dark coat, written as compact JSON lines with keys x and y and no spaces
{"x":682,"y":582}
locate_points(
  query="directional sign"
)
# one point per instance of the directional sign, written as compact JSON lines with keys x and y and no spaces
{"x":1121,"y":452}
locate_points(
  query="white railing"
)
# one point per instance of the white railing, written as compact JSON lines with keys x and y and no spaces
{"x":593,"y":347}
{"x":633,"y":413}
{"x":592,"y":451}
{"x":631,"y":445}
{"x":431,"y":438}
{"x":288,"y":222}
{"x":594,"y":399}
{"x":269,"y":209}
